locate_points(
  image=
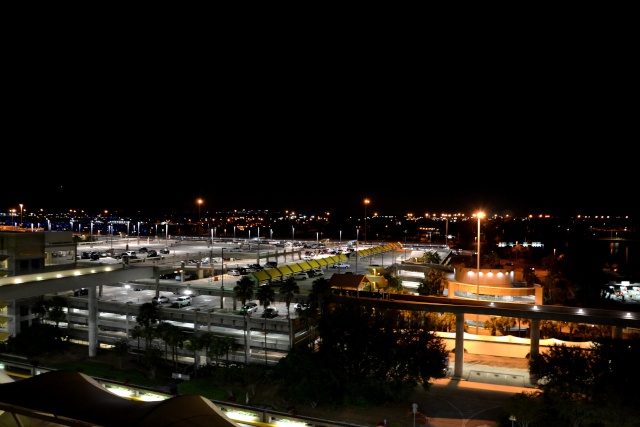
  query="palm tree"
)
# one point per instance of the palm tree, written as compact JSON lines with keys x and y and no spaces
{"x":207,"y":339}
{"x":266,"y":295}
{"x":148,"y":316}
{"x":244,"y":289}
{"x":320,"y":289}
{"x":173,"y":338}
{"x":287,"y":290}
{"x":194,"y":345}
{"x":438,"y":280}
{"x":217,"y":348}
{"x":56,"y":311}
{"x":136,"y":333}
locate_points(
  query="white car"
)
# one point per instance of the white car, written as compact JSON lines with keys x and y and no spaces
{"x":300,"y":275}
{"x":341,"y":265}
{"x":182,"y":301}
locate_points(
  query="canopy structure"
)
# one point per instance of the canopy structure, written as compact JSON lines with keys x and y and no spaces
{"x":73,"y":398}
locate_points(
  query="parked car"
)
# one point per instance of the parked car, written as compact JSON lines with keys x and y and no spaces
{"x":233,"y":272}
{"x":341,"y":265}
{"x":187,"y":276}
{"x":300,"y":306}
{"x":130,"y":254}
{"x":80,"y":292}
{"x":168,"y":276}
{"x":249,"y":308}
{"x":160,"y":300}
{"x":316,"y":272}
{"x":300,"y":275}
{"x":164,"y":251}
{"x":270,"y":312}
{"x":143,"y":250}
{"x":151,"y":253}
{"x":270,"y":264}
{"x":182,"y":301}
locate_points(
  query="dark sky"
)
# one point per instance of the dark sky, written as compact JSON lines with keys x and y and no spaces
{"x":396,"y":183}
{"x":322,"y":138}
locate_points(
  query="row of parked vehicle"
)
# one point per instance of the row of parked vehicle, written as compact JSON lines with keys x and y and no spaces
{"x":179,"y":302}
{"x":94,"y":256}
{"x":251,"y":307}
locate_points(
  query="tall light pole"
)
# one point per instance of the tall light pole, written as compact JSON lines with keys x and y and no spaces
{"x":480,"y":215}
{"x":21,"y":206}
{"x":293,"y":234}
{"x":357,"y":238}
{"x":222,"y":274}
{"x":199,"y":201}
{"x":366,"y":203}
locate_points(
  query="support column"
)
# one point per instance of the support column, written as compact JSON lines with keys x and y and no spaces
{"x":92,"y":320}
{"x":617,"y":332}
{"x":459,"y":354}
{"x":534,"y":348}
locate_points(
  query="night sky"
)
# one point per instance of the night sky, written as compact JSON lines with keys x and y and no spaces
{"x":323,"y":141}
{"x":319,"y":185}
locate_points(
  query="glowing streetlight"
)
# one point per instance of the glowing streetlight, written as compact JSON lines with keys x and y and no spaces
{"x":480,"y":215}
{"x":21,"y":206}
{"x":366,"y":203}
{"x":357,"y":238}
{"x":199,"y":202}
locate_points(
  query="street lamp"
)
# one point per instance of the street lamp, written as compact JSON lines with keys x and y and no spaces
{"x":293,"y":234}
{"x":21,"y":206}
{"x":199,"y":201}
{"x":366,"y":203}
{"x":513,"y":419}
{"x":222,"y":277}
{"x":480,"y":215}
{"x":357,"y":237}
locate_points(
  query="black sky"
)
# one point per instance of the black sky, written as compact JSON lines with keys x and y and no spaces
{"x":322,"y":138}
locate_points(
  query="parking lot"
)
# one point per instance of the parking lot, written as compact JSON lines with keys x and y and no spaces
{"x":235,"y":264}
